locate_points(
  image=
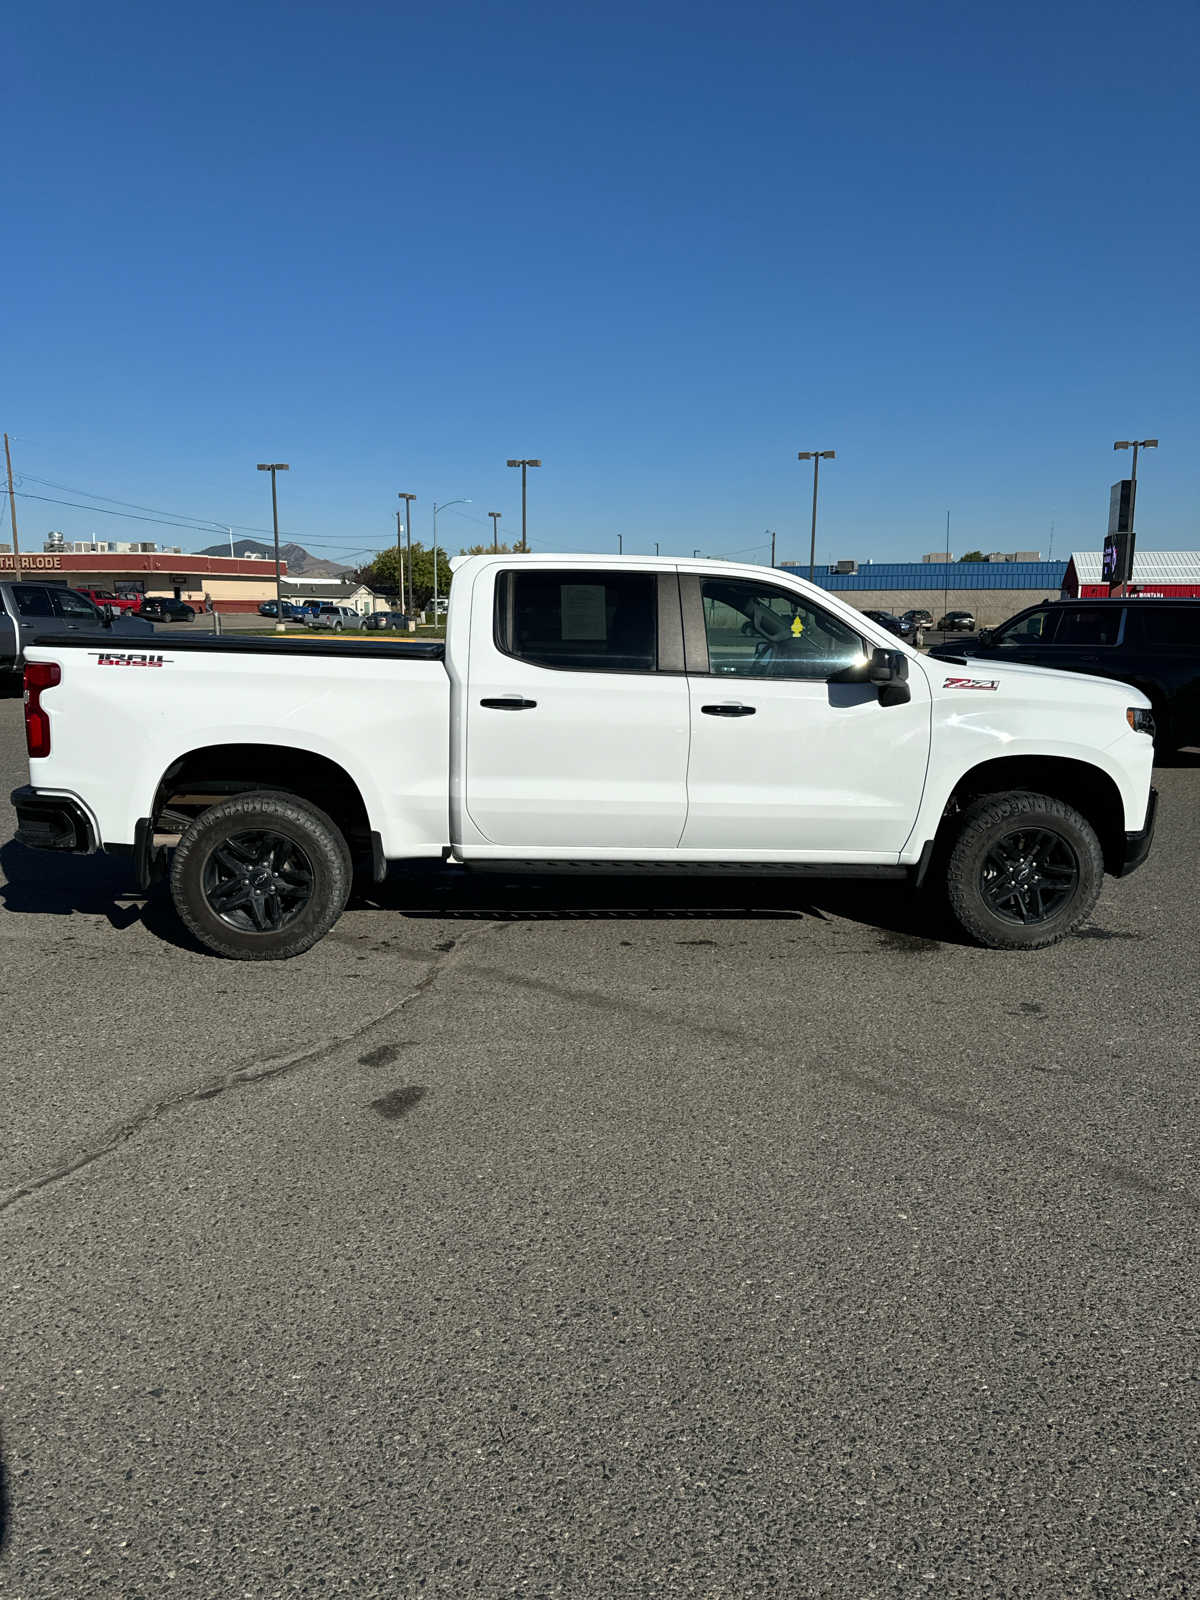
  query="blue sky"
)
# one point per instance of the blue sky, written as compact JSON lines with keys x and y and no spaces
{"x":662,"y":247}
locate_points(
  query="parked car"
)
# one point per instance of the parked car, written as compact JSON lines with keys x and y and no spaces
{"x":601,"y":716}
{"x":102,"y":598}
{"x":164,"y":608}
{"x":958,"y":622}
{"x":885,"y":619}
{"x":335,"y":618}
{"x":29,"y":610}
{"x":1151,"y":643}
{"x":381,"y":621}
{"x":917,"y":618}
{"x":291,"y":611}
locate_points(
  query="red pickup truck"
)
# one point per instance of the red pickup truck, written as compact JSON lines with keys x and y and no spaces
{"x":119,"y":602}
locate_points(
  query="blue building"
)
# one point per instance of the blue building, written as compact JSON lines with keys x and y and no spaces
{"x":934,"y":577}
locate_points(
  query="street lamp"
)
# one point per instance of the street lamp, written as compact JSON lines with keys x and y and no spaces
{"x":620,"y":545}
{"x":436,"y":509}
{"x":273,"y":467}
{"x":1135,"y":445}
{"x":495,"y":516}
{"x":816,"y":457}
{"x":523,"y":465}
{"x":405,"y":604}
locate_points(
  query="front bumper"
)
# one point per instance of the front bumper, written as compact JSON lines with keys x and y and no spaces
{"x":1137,"y":845}
{"x":52,"y":822}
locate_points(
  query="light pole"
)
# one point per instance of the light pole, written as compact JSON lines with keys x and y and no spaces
{"x":1135,"y":445}
{"x":436,"y":509}
{"x":523,"y":465}
{"x":273,"y":467}
{"x":495,"y":516}
{"x":405,"y":604}
{"x":620,"y":545}
{"x":695,"y":553}
{"x":816,"y":457}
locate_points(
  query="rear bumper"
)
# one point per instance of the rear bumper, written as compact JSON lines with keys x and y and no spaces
{"x":1137,"y":845}
{"x":52,"y":822}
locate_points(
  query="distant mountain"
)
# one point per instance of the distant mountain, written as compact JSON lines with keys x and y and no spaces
{"x":299,"y":563}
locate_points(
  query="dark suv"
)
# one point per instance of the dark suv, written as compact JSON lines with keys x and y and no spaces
{"x":1152,"y":644}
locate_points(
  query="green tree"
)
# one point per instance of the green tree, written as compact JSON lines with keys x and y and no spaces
{"x":486,"y":550}
{"x":973,"y":555}
{"x":382,"y":572}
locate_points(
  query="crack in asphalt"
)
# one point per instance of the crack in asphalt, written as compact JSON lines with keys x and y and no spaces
{"x":240,"y":1077}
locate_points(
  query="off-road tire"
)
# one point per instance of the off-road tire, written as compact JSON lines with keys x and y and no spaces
{"x":980,"y":828}
{"x":325,"y":853}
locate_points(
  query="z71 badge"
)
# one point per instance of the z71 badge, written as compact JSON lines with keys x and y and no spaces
{"x":123,"y":658}
{"x":971,"y":683}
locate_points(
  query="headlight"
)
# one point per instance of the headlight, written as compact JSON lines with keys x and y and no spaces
{"x":1140,"y":719}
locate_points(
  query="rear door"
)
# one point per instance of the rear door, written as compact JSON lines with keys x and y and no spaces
{"x":785,"y":759}
{"x":576,"y":712}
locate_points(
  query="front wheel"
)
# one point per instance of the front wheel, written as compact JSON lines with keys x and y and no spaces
{"x":1024,"y":870}
{"x":261,"y":876}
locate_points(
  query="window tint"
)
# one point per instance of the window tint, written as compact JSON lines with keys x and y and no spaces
{"x":589,"y":621}
{"x":32,"y":600}
{"x":1176,"y":627}
{"x":757,"y":631}
{"x":1089,"y":625}
{"x":75,"y":606}
{"x":1037,"y":628}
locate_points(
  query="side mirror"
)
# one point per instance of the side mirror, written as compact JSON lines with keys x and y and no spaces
{"x":106,"y":616}
{"x":985,"y":636}
{"x":888,"y":671}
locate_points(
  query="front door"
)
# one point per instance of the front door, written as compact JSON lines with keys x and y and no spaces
{"x":577,"y":713}
{"x":786,"y":760}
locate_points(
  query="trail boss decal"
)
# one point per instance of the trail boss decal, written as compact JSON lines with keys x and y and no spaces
{"x":124,"y":658}
{"x":971,"y":683}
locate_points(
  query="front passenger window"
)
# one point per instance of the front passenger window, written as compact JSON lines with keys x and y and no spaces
{"x":757,"y":631}
{"x":1037,"y":628}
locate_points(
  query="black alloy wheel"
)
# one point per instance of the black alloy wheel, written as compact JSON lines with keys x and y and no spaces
{"x":261,"y":876}
{"x":1029,"y":875}
{"x":258,"y":882}
{"x":1022,"y":871}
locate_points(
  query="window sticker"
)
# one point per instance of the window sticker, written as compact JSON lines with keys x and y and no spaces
{"x":584,"y":615}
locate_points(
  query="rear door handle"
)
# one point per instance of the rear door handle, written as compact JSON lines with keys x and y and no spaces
{"x":509,"y":702}
{"x":729,"y":708}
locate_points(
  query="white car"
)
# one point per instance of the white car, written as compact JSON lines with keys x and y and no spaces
{"x":612,"y":714}
{"x":334,"y":618}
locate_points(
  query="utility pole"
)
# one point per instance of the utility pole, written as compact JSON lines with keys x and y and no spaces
{"x":523,"y":465}
{"x":620,"y":545}
{"x":816,"y":457}
{"x":400,"y":555}
{"x":656,"y":542}
{"x":495,"y":516}
{"x":405,"y":605}
{"x":772,"y":547}
{"x":273,"y":467}
{"x":12,"y":511}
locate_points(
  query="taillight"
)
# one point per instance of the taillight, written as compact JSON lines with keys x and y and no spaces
{"x":39,"y":675}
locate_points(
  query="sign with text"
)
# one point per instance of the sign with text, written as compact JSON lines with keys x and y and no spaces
{"x":32,"y":563}
{"x":1116,"y":564}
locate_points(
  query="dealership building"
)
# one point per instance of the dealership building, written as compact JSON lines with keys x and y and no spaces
{"x":231,"y":583}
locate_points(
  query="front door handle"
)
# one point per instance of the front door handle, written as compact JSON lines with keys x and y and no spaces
{"x":728,"y":708}
{"x":509,"y":702}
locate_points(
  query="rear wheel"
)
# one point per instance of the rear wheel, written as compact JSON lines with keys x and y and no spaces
{"x":1024,"y":870}
{"x":261,"y":876}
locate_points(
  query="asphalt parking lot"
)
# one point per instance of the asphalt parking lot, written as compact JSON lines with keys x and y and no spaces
{"x":596,"y":1239}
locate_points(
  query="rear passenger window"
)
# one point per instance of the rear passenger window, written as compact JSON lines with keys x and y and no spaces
{"x":579,"y":620}
{"x":1089,"y":625}
{"x":1176,"y":627}
{"x":32,"y":600}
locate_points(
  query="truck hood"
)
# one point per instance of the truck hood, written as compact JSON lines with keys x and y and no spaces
{"x":952,"y":680}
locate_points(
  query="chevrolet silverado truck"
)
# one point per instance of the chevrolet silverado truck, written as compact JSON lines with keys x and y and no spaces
{"x":627,"y":715}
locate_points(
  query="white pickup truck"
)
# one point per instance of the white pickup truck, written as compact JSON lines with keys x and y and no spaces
{"x":602,"y":715}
